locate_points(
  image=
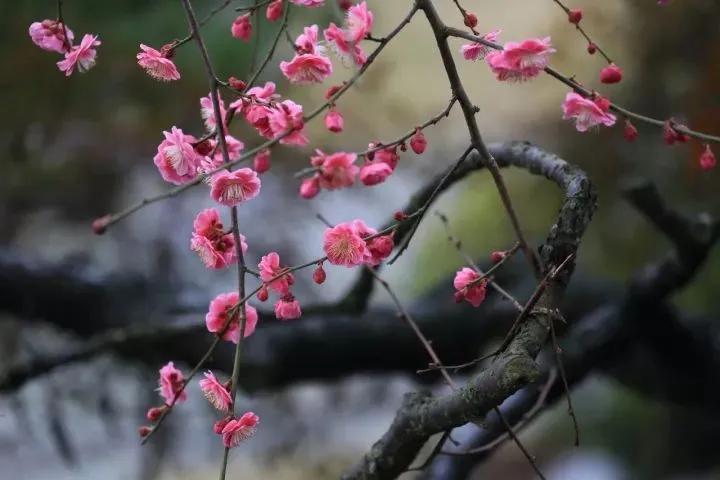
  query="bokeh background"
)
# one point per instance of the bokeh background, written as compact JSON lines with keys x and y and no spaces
{"x":72,"y":149}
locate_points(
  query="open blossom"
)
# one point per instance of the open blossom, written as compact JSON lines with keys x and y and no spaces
{"x":237,"y":430}
{"x":215,"y":248}
{"x":171,"y":384}
{"x":81,"y":56}
{"x":374,"y":173}
{"x":207,"y":112}
{"x":519,"y":61}
{"x":286,"y":117}
{"x":307,"y":68}
{"x":242,"y":27}
{"x":343,"y":245}
{"x":347,"y":50}
{"x":337,"y":170}
{"x":233,"y":188}
{"x":156,"y":64}
{"x":269,"y":267}
{"x":586,"y":112}
{"x":475,"y":293}
{"x":215,"y":392}
{"x":478,"y":51}
{"x":358,"y":23}
{"x":287,"y":308}
{"x":50,"y":35}
{"x":216,"y":320}
{"x":176,"y":158}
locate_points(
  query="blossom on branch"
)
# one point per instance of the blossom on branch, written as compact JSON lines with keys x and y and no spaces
{"x":520,"y":61}
{"x":171,"y":384}
{"x":238,"y":430}
{"x":223,"y":317}
{"x":81,"y":56}
{"x":176,"y":159}
{"x":50,"y":35}
{"x":215,"y":392}
{"x":157,"y":64}
{"x":587,"y":113}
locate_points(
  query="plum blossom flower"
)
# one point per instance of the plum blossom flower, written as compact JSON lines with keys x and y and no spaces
{"x":468,"y":287}
{"x":176,"y":159}
{"x":374,"y":173}
{"x":233,"y":188}
{"x":207,"y":112}
{"x":50,"y":35}
{"x":217,"y":321}
{"x":307,"y":68}
{"x":477,"y":51}
{"x":287,"y":308}
{"x":586,"y":112}
{"x":215,"y":392}
{"x":520,"y":61}
{"x":238,"y":430}
{"x":346,"y":50}
{"x":337,"y":170}
{"x":157,"y":64}
{"x":81,"y":56}
{"x":385,"y":155}
{"x":286,"y":120}
{"x":171,"y":384}
{"x":242,"y":27}
{"x":269,"y":267}
{"x":215,"y":248}
{"x":379,"y":247}
{"x":358,"y":24}
{"x":343,"y":245}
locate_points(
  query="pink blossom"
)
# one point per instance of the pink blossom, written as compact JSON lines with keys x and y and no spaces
{"x":274,"y":10}
{"x":207,"y":112}
{"x":478,"y":51}
{"x":385,"y":155}
{"x":334,"y":121}
{"x":380,"y":248}
{"x":50,"y":35}
{"x":156,"y":64}
{"x":307,"y":42}
{"x":215,"y":247}
{"x":587,"y":113}
{"x":171,"y":383}
{"x":261,"y":162}
{"x":707,"y":159}
{"x":269,"y":267}
{"x":242,"y":27}
{"x":233,"y":188}
{"x":310,"y":187}
{"x":288,"y":117}
{"x":82,"y":56}
{"x":309,"y":3}
{"x":337,"y":37}
{"x":215,"y":392}
{"x":475,"y":293}
{"x":287,"y":308}
{"x":307,"y":68}
{"x":343,"y":245}
{"x":519,"y":61}
{"x":358,"y":23}
{"x":611,"y":74}
{"x":176,"y":158}
{"x":237,"y":430}
{"x":374,"y":173}
{"x":216,"y":320}
{"x":337,"y":170}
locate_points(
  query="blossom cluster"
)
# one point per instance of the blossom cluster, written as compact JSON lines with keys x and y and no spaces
{"x":55,"y":36}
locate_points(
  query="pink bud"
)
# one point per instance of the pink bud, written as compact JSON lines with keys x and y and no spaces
{"x":262,"y":295}
{"x":400,"y":216}
{"x":611,"y":74}
{"x":575,"y":15}
{"x":204,"y":148}
{"x":374,"y":173}
{"x":154,"y":413}
{"x":220,"y":424}
{"x":144,"y":431}
{"x":470,"y":20}
{"x":319,"y":274}
{"x":332,"y":91}
{"x":261,"y":162}
{"x":497,"y":256}
{"x":99,"y":225}
{"x":707,"y":159}
{"x":310,"y":187}
{"x":602,"y":102}
{"x":242,"y":27}
{"x":236,"y":83}
{"x":334,"y":121}
{"x":418,"y":142}
{"x":345,"y":4}
{"x":630,"y":132}
{"x":274,"y":10}
{"x":591,"y":48}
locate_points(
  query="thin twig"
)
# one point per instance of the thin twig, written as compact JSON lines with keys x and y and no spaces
{"x":561,"y":368}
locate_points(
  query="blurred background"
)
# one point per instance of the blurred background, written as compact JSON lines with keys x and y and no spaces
{"x":73,"y":149}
